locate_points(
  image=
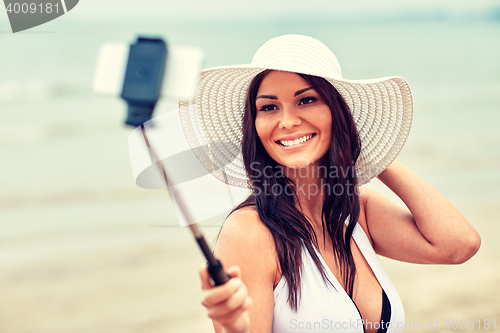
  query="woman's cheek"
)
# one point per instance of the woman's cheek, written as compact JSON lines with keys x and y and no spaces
{"x":261,"y":126}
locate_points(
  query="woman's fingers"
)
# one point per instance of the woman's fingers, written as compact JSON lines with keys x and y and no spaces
{"x":224,"y":300}
{"x":221,"y":293}
{"x":235,"y":321}
{"x":233,"y":314}
{"x":227,"y":303}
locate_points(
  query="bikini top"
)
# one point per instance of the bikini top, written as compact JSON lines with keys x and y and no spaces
{"x":324,"y":309}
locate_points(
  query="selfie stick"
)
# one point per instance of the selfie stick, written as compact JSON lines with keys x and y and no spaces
{"x":141,"y":90}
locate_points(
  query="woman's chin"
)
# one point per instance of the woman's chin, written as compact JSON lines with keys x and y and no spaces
{"x":297,"y":164}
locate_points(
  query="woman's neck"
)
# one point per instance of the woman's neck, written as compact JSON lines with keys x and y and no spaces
{"x":309,"y":182}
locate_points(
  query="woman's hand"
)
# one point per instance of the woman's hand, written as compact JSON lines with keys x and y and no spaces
{"x":227,"y":304}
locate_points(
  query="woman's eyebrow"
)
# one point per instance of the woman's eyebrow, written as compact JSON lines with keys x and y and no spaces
{"x":267,"y":96}
{"x":298,"y":92}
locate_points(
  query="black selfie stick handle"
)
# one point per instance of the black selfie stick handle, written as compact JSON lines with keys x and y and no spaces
{"x":217,"y":273}
{"x":215,"y":268}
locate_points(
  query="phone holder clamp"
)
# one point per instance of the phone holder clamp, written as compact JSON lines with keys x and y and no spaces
{"x":143,"y":78}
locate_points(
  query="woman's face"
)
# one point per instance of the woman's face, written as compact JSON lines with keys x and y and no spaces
{"x":293,"y":121}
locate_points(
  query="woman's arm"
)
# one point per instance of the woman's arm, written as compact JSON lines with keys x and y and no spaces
{"x":429,"y":230}
{"x":246,"y":242}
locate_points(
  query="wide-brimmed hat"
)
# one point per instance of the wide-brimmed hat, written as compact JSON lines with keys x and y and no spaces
{"x":382,"y":108}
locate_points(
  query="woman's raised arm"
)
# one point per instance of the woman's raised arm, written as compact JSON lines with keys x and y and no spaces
{"x":429,"y":230}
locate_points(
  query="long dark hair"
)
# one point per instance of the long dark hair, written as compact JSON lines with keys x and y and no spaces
{"x":291,"y":230}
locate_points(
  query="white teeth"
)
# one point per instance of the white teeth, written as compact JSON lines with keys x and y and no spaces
{"x":289,"y":143}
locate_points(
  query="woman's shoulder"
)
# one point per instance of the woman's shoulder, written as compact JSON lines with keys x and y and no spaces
{"x":246,"y":241}
{"x":244,"y":227}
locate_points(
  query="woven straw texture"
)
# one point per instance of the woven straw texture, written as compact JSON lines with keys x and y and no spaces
{"x":382,"y":108}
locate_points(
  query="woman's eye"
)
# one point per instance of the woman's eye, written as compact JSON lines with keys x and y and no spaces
{"x":268,"y":107}
{"x":307,"y":100}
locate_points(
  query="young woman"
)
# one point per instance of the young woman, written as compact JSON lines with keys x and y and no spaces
{"x":302,"y":248}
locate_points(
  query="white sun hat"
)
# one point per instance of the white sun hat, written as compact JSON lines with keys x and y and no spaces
{"x":382,"y":108}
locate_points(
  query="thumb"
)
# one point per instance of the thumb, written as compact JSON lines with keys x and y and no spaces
{"x":234,"y":272}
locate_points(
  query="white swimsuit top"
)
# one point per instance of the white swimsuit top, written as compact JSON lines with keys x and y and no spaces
{"x":323,"y":309}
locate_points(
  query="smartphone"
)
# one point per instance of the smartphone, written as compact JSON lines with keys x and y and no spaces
{"x":182,"y":70}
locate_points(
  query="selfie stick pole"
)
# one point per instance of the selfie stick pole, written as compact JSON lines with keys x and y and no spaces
{"x":141,"y":91}
{"x":215,"y":268}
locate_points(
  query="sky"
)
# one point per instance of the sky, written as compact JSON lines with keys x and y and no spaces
{"x":227,"y":11}
{"x":219,"y":9}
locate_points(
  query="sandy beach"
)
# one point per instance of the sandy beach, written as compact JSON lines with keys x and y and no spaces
{"x":145,"y":279}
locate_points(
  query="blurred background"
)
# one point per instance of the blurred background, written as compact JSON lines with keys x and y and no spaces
{"x":83,"y":249}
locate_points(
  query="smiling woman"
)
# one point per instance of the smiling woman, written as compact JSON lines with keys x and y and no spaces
{"x":302,"y":248}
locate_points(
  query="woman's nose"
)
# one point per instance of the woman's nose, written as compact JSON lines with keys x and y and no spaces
{"x":289,"y":118}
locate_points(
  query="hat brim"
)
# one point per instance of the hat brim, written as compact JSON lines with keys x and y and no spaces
{"x":382,"y":109}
